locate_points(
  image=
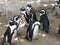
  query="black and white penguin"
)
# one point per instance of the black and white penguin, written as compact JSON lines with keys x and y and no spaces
{"x":10,"y":33}
{"x":44,"y":20}
{"x":24,"y":14}
{"x":31,"y":12}
{"x":32,"y":30}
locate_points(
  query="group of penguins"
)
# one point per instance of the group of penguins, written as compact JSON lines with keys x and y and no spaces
{"x":32,"y":28}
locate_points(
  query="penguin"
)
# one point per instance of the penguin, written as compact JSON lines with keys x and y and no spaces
{"x":31,"y":13}
{"x":44,"y":20}
{"x":32,"y":30}
{"x":24,"y":14}
{"x":10,"y":33}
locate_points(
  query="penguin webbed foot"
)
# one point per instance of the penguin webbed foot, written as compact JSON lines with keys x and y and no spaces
{"x":28,"y":39}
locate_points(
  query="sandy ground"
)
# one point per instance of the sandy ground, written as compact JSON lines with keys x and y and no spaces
{"x":43,"y":39}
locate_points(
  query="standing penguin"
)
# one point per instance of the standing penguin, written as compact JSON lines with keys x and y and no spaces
{"x":31,"y":12}
{"x":24,"y":14}
{"x":10,"y":33}
{"x":44,"y":20}
{"x":32,"y":30}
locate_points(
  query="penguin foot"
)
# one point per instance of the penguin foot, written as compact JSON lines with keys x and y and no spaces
{"x":30,"y":40}
{"x":26,"y":38}
{"x":47,"y":31}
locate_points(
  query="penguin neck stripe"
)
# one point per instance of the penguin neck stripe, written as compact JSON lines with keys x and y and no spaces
{"x":34,"y":26}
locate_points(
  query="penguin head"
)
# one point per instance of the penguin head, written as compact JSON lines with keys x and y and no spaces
{"x":17,"y":18}
{"x":11,"y":22}
{"x":28,"y":7}
{"x":42,"y":12}
{"x":22,"y":11}
{"x":36,"y":23}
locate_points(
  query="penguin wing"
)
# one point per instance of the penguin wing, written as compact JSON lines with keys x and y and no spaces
{"x":7,"y":31}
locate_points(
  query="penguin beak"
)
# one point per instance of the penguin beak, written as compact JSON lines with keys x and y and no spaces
{"x":40,"y":14}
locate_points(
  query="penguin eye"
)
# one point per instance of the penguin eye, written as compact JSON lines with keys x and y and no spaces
{"x":17,"y":18}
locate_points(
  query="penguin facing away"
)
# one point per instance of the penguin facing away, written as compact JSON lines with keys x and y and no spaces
{"x":32,"y":30}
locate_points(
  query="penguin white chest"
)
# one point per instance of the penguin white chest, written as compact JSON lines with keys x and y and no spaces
{"x":35,"y":32}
